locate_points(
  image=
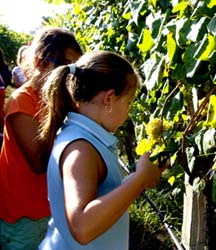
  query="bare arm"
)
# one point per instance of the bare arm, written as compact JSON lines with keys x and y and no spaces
{"x":89,"y":216}
{"x":25,"y":129}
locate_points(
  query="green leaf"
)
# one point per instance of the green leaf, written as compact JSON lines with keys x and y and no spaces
{"x":144,"y":146}
{"x":203,"y":8}
{"x":212,"y":26}
{"x":181,"y":7}
{"x":191,"y":64}
{"x":206,"y":47}
{"x":183,"y":28}
{"x":132,"y":41}
{"x":127,"y":15}
{"x":211,"y":116}
{"x":198,"y":29}
{"x":154,"y":2}
{"x":211,"y":3}
{"x":190,"y":157}
{"x":171,"y":46}
{"x":147,"y":41}
{"x":212,"y":57}
{"x":171,"y":180}
{"x":206,"y":140}
{"x":174,"y":105}
{"x":137,"y":7}
{"x":153,"y":71}
{"x":153,"y":22}
{"x":179,"y":72}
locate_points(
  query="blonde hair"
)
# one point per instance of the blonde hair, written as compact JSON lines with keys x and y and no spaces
{"x":94,"y":72}
{"x":21,"y":54}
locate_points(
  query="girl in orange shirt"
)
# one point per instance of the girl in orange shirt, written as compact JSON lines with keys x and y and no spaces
{"x":24,"y":209}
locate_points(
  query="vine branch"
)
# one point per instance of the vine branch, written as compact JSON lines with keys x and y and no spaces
{"x":192,"y":123}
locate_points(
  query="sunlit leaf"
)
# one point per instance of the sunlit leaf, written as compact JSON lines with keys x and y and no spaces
{"x":214,"y":166}
{"x":144,"y":146}
{"x":206,"y":47}
{"x":171,"y":180}
{"x":147,"y":41}
{"x":180,"y":7}
{"x":211,"y":3}
{"x":171,"y":46}
{"x":77,"y":9}
{"x":154,"y":2}
{"x":127,"y":15}
{"x":179,"y":175}
{"x":211,"y":116}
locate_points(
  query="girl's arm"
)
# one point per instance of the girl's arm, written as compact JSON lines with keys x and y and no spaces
{"x":82,"y":170}
{"x":25,"y":129}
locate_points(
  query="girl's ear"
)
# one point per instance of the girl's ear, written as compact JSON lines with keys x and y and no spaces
{"x":108,"y":97}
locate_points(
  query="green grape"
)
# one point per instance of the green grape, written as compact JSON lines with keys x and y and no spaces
{"x":154,"y":129}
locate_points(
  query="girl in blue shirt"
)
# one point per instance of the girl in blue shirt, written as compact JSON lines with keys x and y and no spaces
{"x":89,"y":202}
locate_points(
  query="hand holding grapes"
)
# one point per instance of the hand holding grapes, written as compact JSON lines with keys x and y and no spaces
{"x":149,"y":170}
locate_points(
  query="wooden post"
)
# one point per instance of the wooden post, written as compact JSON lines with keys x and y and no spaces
{"x":194,"y":228}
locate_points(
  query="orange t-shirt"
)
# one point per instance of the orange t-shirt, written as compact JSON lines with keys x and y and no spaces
{"x":22,"y":192}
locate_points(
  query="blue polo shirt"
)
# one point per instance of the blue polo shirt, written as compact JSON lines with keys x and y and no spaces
{"x":58,"y":236}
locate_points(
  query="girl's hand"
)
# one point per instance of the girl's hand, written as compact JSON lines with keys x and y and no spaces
{"x":150,"y":171}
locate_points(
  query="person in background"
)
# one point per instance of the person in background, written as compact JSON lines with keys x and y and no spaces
{"x":5,"y":70}
{"x":18,"y":77}
{"x":2,"y":100}
{"x":24,"y":209}
{"x":86,"y":102}
{"x":5,"y":80}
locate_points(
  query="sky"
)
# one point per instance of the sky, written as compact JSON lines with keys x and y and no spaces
{"x":24,"y":15}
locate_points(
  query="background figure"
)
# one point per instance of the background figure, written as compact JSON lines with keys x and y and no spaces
{"x":4,"y":70}
{"x":5,"y":80}
{"x":2,"y":99}
{"x":18,"y":77}
{"x":24,"y":209}
{"x":89,"y":200}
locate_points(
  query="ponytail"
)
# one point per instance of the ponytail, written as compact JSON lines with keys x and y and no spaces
{"x":57,"y":101}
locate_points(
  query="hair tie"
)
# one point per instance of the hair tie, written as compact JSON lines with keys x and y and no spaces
{"x":72,"y":68}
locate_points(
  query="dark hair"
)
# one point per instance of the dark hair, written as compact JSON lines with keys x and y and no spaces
{"x":100,"y":71}
{"x":2,"y":61}
{"x":49,"y":48}
{"x":5,"y":72}
{"x":94,"y":72}
{"x":49,"y":45}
